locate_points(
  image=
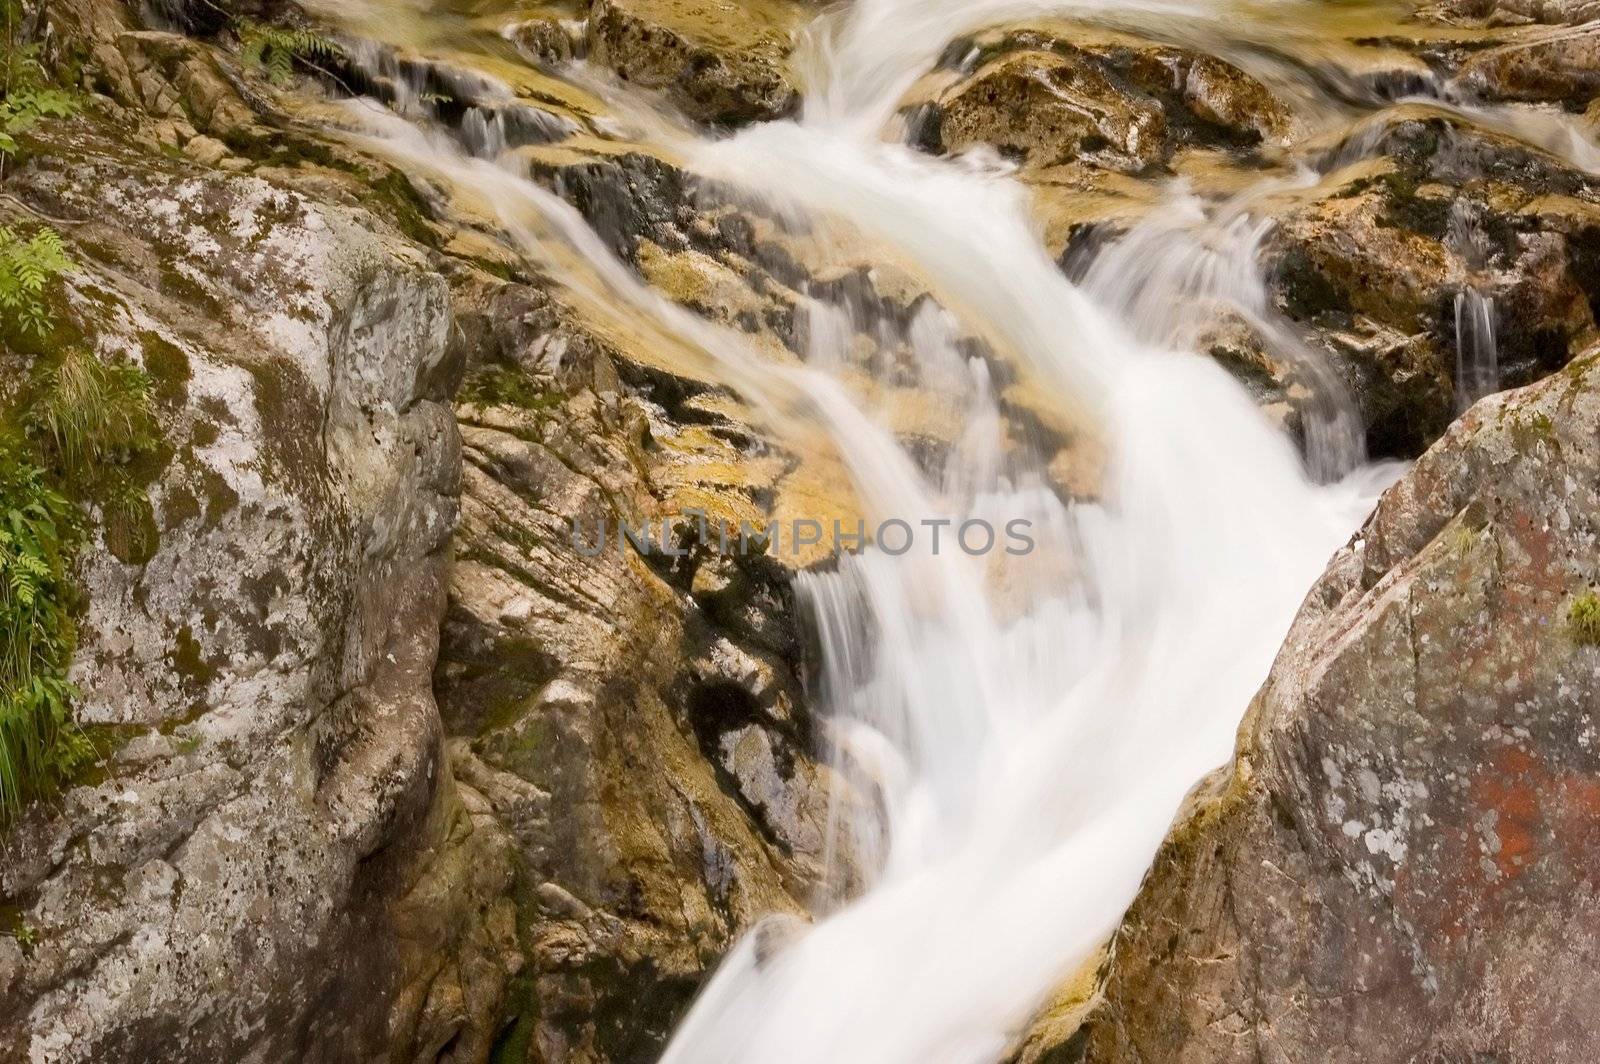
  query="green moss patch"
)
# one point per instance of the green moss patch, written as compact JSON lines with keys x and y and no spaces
{"x":500,"y":385}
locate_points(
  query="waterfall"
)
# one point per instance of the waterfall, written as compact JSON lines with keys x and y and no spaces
{"x":1477,"y":359}
{"x":1013,"y":733}
{"x":1029,"y":734}
{"x":1028,"y":731}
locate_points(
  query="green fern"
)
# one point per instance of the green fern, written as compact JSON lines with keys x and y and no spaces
{"x":39,"y":530}
{"x":85,"y":420}
{"x":20,"y":110}
{"x":27,"y":266}
{"x":275,"y":49}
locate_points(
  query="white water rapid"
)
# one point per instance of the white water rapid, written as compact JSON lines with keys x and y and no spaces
{"x":1027,"y":730}
{"x":1013,"y":734}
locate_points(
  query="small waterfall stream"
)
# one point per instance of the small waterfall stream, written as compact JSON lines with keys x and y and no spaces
{"x":1477,"y":355}
{"x":1477,"y":358}
{"x":1026,"y":725}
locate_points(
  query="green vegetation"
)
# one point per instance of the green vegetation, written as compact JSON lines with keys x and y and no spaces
{"x":39,"y":530}
{"x":26,"y":94}
{"x":22,"y":107}
{"x":69,"y":436}
{"x":500,"y":385}
{"x":87,"y":414}
{"x":27,"y":266}
{"x":77,"y":428}
{"x":276,"y":49}
{"x":27,"y":263}
{"x":72,"y":431}
{"x":1583,"y":619}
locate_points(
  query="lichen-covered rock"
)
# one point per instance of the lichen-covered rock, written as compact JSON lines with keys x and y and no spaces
{"x":721,"y":61}
{"x":1399,"y":866}
{"x":274,"y":801}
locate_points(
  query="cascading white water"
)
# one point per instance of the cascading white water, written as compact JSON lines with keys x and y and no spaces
{"x":1025,"y":726}
{"x":1184,"y":270}
{"x":1030,"y":733}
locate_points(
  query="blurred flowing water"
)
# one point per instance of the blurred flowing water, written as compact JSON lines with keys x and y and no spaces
{"x":1012,"y":734}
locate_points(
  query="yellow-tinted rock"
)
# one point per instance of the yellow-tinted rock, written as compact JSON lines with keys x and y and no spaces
{"x":1044,"y":107}
{"x":721,"y":61}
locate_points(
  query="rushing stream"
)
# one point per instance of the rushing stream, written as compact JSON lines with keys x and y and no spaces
{"x":1023,"y":727}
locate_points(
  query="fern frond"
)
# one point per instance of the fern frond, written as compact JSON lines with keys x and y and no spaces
{"x":27,"y":266}
{"x":275,"y":49}
{"x":37,"y":536}
{"x":26,"y":96}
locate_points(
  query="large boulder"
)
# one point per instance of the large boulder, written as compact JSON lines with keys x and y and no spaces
{"x":1400,"y":865}
{"x":272,"y":801}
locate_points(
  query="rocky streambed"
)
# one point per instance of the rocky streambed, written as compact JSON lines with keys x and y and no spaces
{"x":382,"y":766}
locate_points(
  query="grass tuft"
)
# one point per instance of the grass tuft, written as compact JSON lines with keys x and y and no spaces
{"x":90,"y":413}
{"x":1583,"y":619}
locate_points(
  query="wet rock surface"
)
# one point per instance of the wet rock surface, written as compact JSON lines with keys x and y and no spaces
{"x":1513,"y":12}
{"x":1558,"y":66}
{"x":1046,"y":108}
{"x":605,"y":701}
{"x":1375,"y":264}
{"x":1414,"y":210}
{"x":721,"y":61}
{"x":1043,"y":99}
